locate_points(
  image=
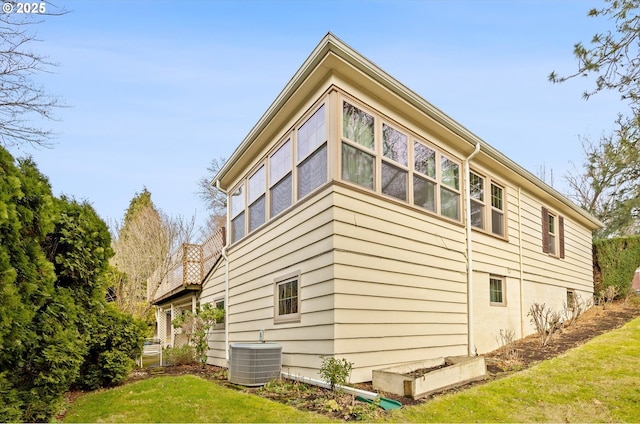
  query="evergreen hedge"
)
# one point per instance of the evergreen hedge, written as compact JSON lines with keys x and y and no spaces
{"x":615,"y":260}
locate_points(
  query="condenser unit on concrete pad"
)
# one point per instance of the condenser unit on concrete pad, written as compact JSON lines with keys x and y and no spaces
{"x":254,"y":364}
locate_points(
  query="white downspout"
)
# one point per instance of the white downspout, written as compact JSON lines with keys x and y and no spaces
{"x":520,"y":261}
{"x":467,"y":224}
{"x":226,"y":280}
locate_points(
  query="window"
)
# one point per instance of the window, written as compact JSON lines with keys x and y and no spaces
{"x":496,"y":291}
{"x":280,"y":179}
{"x":394,"y":148}
{"x":552,"y":233}
{"x":476,"y":186}
{"x":358,"y":159}
{"x":571,"y":299}
{"x":237,"y":214}
{"x":450,"y":189}
{"x":257,"y":199}
{"x":385,"y":158}
{"x":480,"y":189}
{"x":219,"y":304}
{"x":424,"y":184}
{"x":312,"y":153}
{"x":497,"y":210}
{"x":287,"y":298}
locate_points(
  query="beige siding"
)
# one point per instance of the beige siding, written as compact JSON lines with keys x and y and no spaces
{"x":298,"y":241}
{"x":400,"y":292}
{"x":545,"y":278}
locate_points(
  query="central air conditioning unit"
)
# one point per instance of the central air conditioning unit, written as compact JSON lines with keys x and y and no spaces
{"x":254,"y":364}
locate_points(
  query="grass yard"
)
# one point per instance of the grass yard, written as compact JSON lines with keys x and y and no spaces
{"x":596,"y":382}
{"x":180,"y":399}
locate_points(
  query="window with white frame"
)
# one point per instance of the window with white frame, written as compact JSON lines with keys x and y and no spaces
{"x":280,"y":184}
{"x":287,"y":298}
{"x":237,"y":214}
{"x":481,"y":213}
{"x":312,"y":153}
{"x":497,"y":291}
{"x":257,"y":199}
{"x":497,"y":210}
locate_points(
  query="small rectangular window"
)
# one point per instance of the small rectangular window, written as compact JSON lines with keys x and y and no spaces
{"x":496,"y":291}
{"x":571,"y":299}
{"x":219,"y":304}
{"x":287,"y":298}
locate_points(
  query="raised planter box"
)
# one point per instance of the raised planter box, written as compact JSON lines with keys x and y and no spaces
{"x":421,"y":378}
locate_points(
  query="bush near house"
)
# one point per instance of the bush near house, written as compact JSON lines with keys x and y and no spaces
{"x":614,"y":262}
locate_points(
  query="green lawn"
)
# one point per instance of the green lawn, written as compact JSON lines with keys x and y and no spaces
{"x":597,"y":382}
{"x":180,"y":399}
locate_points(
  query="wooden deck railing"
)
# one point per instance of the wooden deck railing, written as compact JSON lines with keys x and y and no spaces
{"x":187,"y":266}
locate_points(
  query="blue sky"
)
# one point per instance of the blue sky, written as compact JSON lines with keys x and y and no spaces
{"x":156,"y":89}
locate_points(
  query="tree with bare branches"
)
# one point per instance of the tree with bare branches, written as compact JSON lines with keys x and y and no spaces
{"x":21,"y":98}
{"x":143,"y":245}
{"x":214,"y":199}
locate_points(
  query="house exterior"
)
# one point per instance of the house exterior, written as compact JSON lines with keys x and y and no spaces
{"x":365,"y":223}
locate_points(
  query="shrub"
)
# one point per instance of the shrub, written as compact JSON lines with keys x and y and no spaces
{"x":116,"y":339}
{"x":335,"y":371}
{"x":546,"y":321}
{"x":196,"y":328}
{"x":614,"y":262}
{"x":183,"y":355}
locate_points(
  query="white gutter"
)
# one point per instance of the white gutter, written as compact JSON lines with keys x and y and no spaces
{"x":226,"y":281}
{"x":467,"y":224}
{"x":351,"y":390}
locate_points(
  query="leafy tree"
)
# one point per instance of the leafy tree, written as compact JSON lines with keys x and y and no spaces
{"x":20,"y":97}
{"x":607,"y":185}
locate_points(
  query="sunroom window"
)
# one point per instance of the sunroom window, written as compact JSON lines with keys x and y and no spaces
{"x":358,"y":157}
{"x":476,"y":186}
{"x":450,"y":189}
{"x":237,"y":214}
{"x":312,"y":153}
{"x":424,"y":177}
{"x":280,"y":194}
{"x":257,"y":199}
{"x":394,"y":149}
